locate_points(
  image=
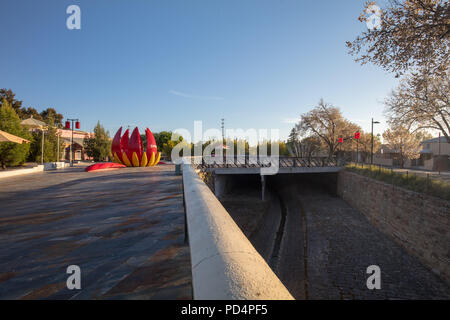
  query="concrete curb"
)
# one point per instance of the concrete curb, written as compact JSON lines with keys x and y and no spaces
{"x":225,"y":265}
{"x":18,"y":172}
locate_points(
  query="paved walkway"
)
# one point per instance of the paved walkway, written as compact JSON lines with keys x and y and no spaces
{"x":123,"y":228}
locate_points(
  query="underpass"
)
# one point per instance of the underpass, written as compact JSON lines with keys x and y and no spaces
{"x":318,"y":245}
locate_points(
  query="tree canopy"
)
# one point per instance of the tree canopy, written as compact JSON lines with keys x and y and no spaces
{"x":98,"y":147}
{"x":326,"y":123}
{"x":420,"y":102}
{"x":401,"y":140}
{"x":414,"y":34}
{"x":12,"y":154}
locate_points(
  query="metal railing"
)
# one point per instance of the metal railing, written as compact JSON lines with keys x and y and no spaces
{"x":263,"y":162}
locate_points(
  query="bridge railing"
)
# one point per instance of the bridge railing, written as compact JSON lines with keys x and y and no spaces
{"x":246,"y":161}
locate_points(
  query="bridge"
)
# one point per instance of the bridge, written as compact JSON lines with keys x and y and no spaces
{"x":222,"y":167}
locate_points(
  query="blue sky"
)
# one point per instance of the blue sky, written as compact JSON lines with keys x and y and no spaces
{"x":163,"y":63}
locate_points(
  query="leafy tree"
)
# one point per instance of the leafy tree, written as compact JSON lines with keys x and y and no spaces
{"x":162,"y":137}
{"x":98,"y":147}
{"x":167,"y":146}
{"x":293,"y":143}
{"x":401,"y":140}
{"x":414,"y":34}
{"x":50,"y":114}
{"x":12,"y":154}
{"x":365,"y":144}
{"x":50,"y":144}
{"x":10,"y":97}
{"x":299,"y":146}
{"x":310,"y":146}
{"x":326,"y":123}
{"x":421,"y":102}
{"x":30,"y":112}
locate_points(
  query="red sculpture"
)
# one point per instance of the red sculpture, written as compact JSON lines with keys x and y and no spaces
{"x":130,"y":151}
{"x":103,"y":166}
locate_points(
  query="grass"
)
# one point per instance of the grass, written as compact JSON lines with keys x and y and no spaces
{"x":434,"y":187}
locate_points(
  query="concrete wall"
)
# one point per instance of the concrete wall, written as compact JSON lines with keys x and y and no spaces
{"x":18,"y":172}
{"x":225,"y":265}
{"x":418,"y":222}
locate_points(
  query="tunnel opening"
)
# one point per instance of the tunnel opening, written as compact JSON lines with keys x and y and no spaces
{"x":319,"y":182}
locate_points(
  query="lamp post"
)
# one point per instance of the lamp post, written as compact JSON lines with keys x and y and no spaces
{"x":371,"y":142}
{"x":77,"y":123}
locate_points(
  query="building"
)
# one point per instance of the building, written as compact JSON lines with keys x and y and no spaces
{"x":78,"y":144}
{"x":435,"y":154}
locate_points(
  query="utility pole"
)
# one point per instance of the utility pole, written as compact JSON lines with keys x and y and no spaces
{"x":57,"y":145}
{"x":439,"y":157}
{"x":223,"y":129}
{"x":42,"y":148}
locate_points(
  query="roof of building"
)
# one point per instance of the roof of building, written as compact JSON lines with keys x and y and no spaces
{"x":75,"y":140}
{"x":35,"y":123}
{"x":434,"y":140}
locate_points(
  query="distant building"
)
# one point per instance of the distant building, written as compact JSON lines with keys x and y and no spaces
{"x":78,"y":144}
{"x":435,"y":154}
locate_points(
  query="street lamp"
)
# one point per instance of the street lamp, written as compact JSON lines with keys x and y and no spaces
{"x":371,"y":144}
{"x":77,"y":125}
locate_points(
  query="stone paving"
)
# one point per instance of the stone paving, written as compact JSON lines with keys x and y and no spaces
{"x":341,"y":244}
{"x":123,"y":228}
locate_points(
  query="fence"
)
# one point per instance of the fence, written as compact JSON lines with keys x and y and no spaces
{"x":412,"y":180}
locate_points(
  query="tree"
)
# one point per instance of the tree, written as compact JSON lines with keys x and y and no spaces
{"x":10,"y":97}
{"x":12,"y":154}
{"x":326,"y":123}
{"x":293,"y":143}
{"x":401,"y":140}
{"x":50,"y":114}
{"x":26,"y":113}
{"x":420,"y":102}
{"x":365,"y":145}
{"x":302,"y":146}
{"x":310,"y":146}
{"x":414,"y":34}
{"x":50,"y":144}
{"x":98,"y":147}
{"x":162,"y":137}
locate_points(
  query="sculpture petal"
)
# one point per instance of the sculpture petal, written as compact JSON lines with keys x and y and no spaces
{"x":158,"y":157}
{"x":117,"y":158}
{"x":144,"y":160}
{"x":135,"y":145}
{"x":152,"y":159}
{"x":124,"y":147}
{"x":116,"y":147}
{"x":135,"y":160}
{"x":125,"y":160}
{"x":151,"y":143}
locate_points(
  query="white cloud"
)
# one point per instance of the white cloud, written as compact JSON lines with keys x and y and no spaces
{"x":290,"y":120}
{"x":191,"y":96}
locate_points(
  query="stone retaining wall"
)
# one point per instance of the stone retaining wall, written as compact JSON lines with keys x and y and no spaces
{"x":418,"y":222}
